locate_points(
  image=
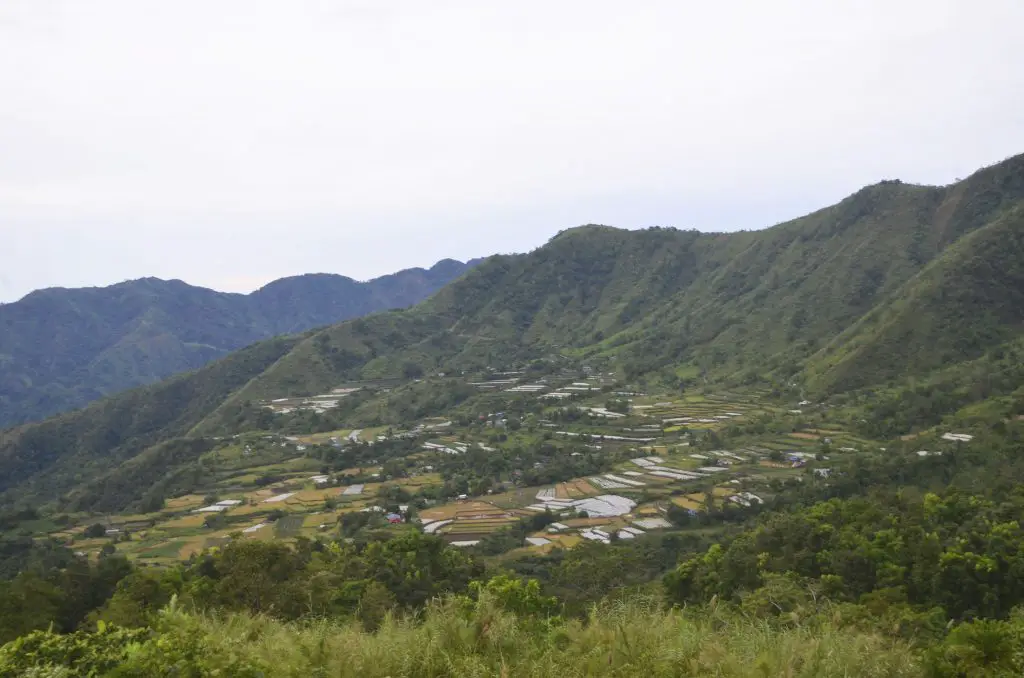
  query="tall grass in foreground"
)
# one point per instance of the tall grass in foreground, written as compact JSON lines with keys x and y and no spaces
{"x":633,"y":638}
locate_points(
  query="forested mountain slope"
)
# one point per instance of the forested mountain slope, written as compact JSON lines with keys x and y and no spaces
{"x":83,"y":443}
{"x":744,"y":306}
{"x":969,"y":299}
{"x":62,"y":348}
{"x":857,"y":294}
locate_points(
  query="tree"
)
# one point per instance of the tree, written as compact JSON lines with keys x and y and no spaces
{"x":29,"y":602}
{"x":416,"y":567}
{"x":94,"y":531}
{"x":375,"y":604}
{"x":620,"y":405}
{"x":515,"y":595}
{"x":138,"y":596}
{"x":257,"y":576}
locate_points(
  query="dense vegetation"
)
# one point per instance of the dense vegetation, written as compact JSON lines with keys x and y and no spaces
{"x":922,"y":586}
{"x":61,"y":349}
{"x":466,"y":637}
{"x":889,"y":284}
{"x":878,"y":543}
{"x":79,"y":446}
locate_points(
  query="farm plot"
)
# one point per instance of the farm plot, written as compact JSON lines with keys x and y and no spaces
{"x":315,"y":520}
{"x":467,"y":521}
{"x":700,"y":411}
{"x":688,"y":503}
{"x":579,"y":488}
{"x":168,"y":550}
{"x":187,"y":522}
{"x":183,"y":503}
{"x":322,"y":438}
{"x":477,"y":526}
{"x":288,"y":526}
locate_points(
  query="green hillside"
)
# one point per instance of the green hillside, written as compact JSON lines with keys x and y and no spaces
{"x":891,"y":283}
{"x":743,"y":306}
{"x":63,"y":348}
{"x":965,"y":302}
{"x":787,"y":452}
{"x":75,"y":447}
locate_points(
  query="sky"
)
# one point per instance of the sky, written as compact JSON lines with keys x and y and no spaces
{"x":230,"y":143}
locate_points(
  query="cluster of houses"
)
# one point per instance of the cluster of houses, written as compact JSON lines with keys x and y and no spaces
{"x":604,"y":534}
{"x":222,"y":505}
{"x":317,"y":403}
{"x":957,"y":437}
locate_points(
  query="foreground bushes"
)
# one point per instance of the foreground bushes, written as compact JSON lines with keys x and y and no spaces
{"x":461,"y":637}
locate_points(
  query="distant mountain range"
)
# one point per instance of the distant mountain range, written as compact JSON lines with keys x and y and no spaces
{"x":894,"y":287}
{"x":63,"y":348}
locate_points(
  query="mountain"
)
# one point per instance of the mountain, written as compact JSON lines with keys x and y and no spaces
{"x":892,"y":283}
{"x":742,"y":306}
{"x":63,"y":348}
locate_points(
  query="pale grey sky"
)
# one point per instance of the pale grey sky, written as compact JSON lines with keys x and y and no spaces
{"x":229,"y":143}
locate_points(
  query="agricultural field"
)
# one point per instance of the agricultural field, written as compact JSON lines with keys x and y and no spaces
{"x":662,"y":453}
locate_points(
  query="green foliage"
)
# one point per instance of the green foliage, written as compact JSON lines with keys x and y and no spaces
{"x":80,"y":654}
{"x":514,"y":595}
{"x":960,"y":553}
{"x":981,"y":647}
{"x":314,"y":579}
{"x":633,"y":638}
{"x":93,"y":531}
{"x":59,"y":597}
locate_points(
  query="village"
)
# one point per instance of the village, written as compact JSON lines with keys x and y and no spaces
{"x":654,"y":462}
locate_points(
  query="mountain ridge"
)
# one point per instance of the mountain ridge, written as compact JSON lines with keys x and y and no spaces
{"x":678,"y":309}
{"x":446,"y":264}
{"x":61,"y":348}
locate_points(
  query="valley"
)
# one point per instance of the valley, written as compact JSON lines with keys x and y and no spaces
{"x":528,"y":464}
{"x":808,"y":435}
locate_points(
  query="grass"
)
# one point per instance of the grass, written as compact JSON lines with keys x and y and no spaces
{"x":169,"y":549}
{"x":191,"y":547}
{"x":288,"y":526}
{"x":188,"y":501}
{"x":632,"y":638}
{"x":318,"y":438}
{"x":687,"y":503}
{"x":315,"y":520}
{"x":185,"y":522}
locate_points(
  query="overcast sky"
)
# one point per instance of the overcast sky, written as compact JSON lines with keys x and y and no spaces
{"x":231,"y":143}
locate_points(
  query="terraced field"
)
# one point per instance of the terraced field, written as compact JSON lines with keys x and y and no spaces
{"x":288,"y":526}
{"x":671,"y":434}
